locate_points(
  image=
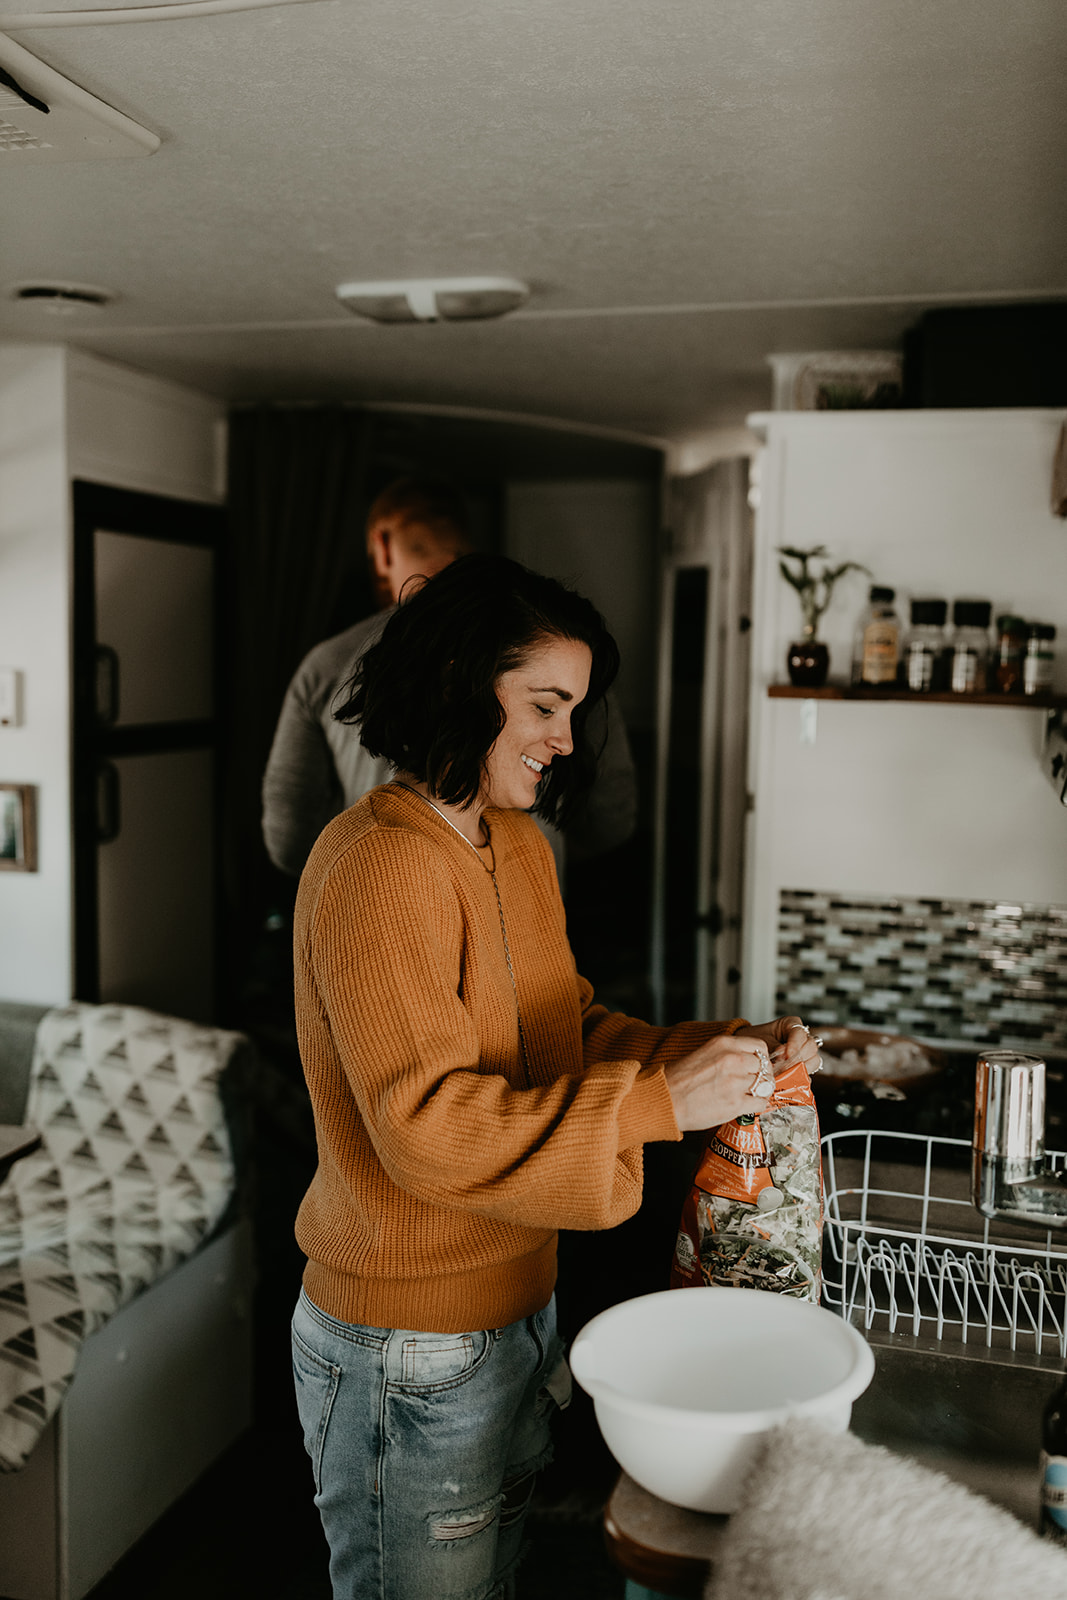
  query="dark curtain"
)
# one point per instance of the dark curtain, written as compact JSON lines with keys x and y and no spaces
{"x":295,"y":572}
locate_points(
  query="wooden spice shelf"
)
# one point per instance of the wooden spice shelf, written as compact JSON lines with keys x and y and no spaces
{"x":843,"y":691}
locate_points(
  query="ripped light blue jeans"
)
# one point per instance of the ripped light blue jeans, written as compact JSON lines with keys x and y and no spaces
{"x":425,"y":1447}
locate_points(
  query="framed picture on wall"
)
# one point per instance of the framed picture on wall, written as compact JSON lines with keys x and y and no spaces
{"x":18,"y":827}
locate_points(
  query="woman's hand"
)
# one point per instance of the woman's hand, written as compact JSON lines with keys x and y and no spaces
{"x":786,"y":1041}
{"x":714,"y":1083}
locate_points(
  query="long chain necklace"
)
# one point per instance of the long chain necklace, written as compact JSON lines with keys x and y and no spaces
{"x":491,"y":870}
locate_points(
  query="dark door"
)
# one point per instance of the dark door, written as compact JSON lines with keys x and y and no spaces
{"x":701,"y":795}
{"x":145,"y":750}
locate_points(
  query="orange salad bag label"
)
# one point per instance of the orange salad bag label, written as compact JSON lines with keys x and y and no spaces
{"x":753,"y":1218}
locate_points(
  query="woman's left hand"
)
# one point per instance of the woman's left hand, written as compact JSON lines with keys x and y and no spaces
{"x":788,"y":1041}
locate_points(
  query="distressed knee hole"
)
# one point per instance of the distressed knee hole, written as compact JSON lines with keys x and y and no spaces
{"x":452,"y":1525}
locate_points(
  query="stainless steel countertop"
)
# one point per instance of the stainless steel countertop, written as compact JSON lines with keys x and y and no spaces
{"x":972,"y":1414}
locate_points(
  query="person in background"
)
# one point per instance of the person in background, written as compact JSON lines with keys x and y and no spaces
{"x":470,"y":1099}
{"x":317,"y":765}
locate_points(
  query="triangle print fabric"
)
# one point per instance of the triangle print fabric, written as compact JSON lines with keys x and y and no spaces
{"x":134,"y":1171}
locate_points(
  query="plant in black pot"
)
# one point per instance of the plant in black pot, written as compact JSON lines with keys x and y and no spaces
{"x":813,"y":578}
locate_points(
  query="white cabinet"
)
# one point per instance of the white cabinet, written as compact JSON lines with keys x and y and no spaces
{"x":896,"y":800}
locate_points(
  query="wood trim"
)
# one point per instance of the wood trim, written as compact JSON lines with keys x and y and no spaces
{"x":26,"y":799}
{"x":840,"y":691}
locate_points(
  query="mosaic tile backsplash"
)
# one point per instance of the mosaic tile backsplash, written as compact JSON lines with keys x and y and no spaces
{"x":959,"y":970}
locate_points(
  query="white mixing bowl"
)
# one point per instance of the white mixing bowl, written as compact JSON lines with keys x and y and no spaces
{"x":685,"y":1382}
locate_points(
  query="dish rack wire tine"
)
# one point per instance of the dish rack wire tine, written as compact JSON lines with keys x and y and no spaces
{"x":953,"y":1278}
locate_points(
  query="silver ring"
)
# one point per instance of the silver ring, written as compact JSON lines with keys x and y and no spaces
{"x":816,"y":1040}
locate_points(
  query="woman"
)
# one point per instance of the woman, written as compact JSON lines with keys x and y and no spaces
{"x":469,"y":1097}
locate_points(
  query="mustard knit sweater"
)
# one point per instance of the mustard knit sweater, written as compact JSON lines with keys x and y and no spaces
{"x":444,"y":1172}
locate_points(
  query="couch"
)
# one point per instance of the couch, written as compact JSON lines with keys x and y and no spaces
{"x":125,"y":1283}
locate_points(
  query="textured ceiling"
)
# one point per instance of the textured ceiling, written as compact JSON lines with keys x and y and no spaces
{"x":687,"y":187}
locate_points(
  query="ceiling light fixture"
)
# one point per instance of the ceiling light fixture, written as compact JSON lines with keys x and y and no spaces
{"x":434,"y":299}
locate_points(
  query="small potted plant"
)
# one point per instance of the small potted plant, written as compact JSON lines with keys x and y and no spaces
{"x":813,"y":578}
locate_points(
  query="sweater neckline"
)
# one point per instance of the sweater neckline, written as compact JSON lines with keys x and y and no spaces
{"x":413,"y":806}
{"x":490,"y":865}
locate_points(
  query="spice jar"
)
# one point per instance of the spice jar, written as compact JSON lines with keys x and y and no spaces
{"x":1040,"y":659}
{"x":876,"y":652}
{"x":1010,"y":653}
{"x":970,"y":646}
{"x":924,"y":646}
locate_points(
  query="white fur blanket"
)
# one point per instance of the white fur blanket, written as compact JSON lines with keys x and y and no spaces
{"x":827,"y":1517}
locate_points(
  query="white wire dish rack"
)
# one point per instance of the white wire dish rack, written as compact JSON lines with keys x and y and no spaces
{"x":905,"y":1253}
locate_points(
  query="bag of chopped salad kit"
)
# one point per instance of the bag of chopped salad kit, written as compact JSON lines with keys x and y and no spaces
{"x":753,"y":1219}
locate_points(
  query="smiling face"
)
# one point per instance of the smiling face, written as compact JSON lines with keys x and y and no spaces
{"x":538,"y":699}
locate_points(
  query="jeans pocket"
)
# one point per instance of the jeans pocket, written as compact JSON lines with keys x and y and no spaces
{"x":316,"y":1383}
{"x":558,"y":1384}
{"x":431,"y":1361}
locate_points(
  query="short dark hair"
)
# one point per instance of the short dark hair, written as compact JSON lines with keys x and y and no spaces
{"x":431,"y":502}
{"x":425,"y":695}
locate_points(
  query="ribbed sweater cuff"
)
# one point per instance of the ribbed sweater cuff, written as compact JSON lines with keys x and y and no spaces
{"x":647,"y":1113}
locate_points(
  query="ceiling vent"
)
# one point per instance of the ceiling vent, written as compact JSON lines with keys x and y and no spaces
{"x":61,"y":298}
{"x":45,"y":117}
{"x":434,"y":299}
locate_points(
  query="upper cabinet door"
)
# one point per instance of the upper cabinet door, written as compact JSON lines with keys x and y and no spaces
{"x":154,"y":629}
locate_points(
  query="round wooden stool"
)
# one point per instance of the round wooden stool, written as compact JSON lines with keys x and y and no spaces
{"x":661,"y":1550}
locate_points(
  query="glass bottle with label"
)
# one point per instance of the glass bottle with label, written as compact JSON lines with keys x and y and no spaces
{"x":924,"y":647}
{"x":1054,"y":1467}
{"x":970,"y":646}
{"x":1040,"y":658}
{"x":1010,"y":654}
{"x":876,"y":653}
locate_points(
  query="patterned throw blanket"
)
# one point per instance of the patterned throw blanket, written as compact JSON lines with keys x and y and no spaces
{"x":134,"y":1172}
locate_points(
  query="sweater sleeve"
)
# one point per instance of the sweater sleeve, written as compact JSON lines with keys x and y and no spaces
{"x":317,"y":767}
{"x":301,"y":791}
{"x":611,"y":1035}
{"x":386,"y":950}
